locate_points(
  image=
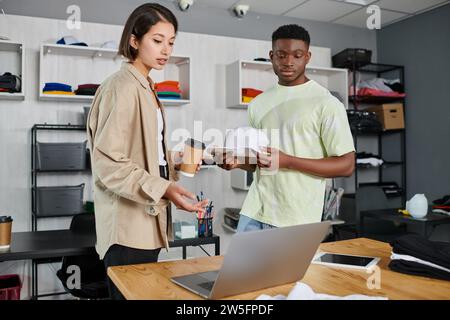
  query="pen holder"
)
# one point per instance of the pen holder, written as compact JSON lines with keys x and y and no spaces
{"x":205,"y":227}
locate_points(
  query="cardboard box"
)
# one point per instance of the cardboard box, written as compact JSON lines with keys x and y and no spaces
{"x":390,"y":115}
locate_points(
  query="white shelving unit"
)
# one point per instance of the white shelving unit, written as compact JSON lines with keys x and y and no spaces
{"x":76,"y":65}
{"x":178,"y":69}
{"x":247,"y":74}
{"x":334,"y":79}
{"x":12,"y":59}
{"x":260,"y":75}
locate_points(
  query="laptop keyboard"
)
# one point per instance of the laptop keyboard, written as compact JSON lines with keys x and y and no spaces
{"x":207,"y":285}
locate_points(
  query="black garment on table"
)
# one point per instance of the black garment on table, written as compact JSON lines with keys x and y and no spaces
{"x":421,"y":248}
{"x":418,"y":269}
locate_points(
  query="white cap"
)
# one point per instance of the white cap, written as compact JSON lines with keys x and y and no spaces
{"x":71,"y":40}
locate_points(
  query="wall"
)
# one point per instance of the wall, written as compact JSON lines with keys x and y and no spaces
{"x":422,"y":45}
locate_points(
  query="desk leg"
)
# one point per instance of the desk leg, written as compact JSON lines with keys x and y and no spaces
{"x":184,"y":253}
{"x":217,"y":247}
{"x":32,"y":279}
{"x":34,"y":288}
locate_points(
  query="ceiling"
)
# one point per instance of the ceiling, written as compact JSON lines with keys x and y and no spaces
{"x":344,"y":12}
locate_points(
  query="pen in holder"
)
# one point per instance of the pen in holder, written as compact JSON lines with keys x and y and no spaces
{"x":205,"y":227}
{"x":205,"y":220}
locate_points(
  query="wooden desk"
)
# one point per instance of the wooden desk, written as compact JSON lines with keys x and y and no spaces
{"x":152,"y":281}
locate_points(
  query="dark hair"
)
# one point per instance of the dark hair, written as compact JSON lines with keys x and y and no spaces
{"x":291,"y":31}
{"x":139,"y":22}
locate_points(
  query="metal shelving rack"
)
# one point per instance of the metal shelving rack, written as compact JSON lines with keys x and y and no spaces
{"x":355,"y":101}
{"x":34,"y":176}
{"x":34,"y":171}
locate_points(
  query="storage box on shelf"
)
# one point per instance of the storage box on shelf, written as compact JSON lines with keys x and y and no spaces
{"x":390,"y":115}
{"x":59,"y":201}
{"x":259,"y":75}
{"x":12,"y":59}
{"x":61,"y":156}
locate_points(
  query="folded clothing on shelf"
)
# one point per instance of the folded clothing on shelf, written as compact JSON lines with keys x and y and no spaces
{"x":10,"y":83}
{"x":368,"y":159}
{"x":71,"y":40}
{"x":364,"y":121}
{"x":168,"y":89}
{"x":248,"y":94}
{"x":391,"y":189}
{"x":60,"y":92}
{"x":88,"y":89}
{"x":247,"y":99}
{"x":442,"y":205}
{"x":262,"y":59}
{"x":57,"y":88}
{"x":379,"y":87}
{"x":444,"y":201}
{"x":368,"y":92}
{"x":251,"y":92}
{"x":416,"y":255}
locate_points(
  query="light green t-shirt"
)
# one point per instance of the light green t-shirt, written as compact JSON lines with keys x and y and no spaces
{"x":304,"y":121}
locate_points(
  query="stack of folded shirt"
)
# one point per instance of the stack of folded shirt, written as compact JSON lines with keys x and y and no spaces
{"x":364,"y":121}
{"x":380,"y":87}
{"x":412,"y":254}
{"x":168,"y":90}
{"x":57,"y":88}
{"x":248,"y":94}
{"x":368,"y":159}
{"x":88,"y":89}
{"x":442,"y":205}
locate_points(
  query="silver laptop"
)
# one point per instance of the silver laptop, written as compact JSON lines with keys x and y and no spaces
{"x":259,"y":259}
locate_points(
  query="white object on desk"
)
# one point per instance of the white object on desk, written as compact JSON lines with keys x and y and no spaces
{"x":302,"y":291}
{"x":417,"y":206}
{"x":187,"y":231}
{"x":337,"y":260}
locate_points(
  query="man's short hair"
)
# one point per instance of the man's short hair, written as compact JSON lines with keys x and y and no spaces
{"x":291,"y":31}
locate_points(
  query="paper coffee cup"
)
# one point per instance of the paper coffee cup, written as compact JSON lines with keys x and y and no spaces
{"x":192,"y":156}
{"x":5,"y":232}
